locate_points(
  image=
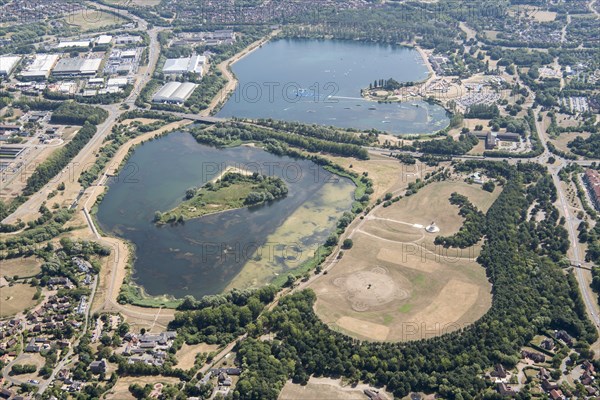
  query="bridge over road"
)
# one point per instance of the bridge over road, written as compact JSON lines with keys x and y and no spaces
{"x":199,"y":118}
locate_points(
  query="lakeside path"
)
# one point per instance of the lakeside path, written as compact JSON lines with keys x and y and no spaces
{"x":225,"y":69}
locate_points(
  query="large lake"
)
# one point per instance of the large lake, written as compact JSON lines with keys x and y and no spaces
{"x":238,"y":248}
{"x":319,"y":81}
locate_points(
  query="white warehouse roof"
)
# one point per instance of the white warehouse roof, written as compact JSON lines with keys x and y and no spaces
{"x":119,"y":82}
{"x":41,"y":66}
{"x":174,"y":92}
{"x":104,"y":39}
{"x":128,"y":53}
{"x":8,"y":63}
{"x":79,"y":43}
{"x":191,"y":64}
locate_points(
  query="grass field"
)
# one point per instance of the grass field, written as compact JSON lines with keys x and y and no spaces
{"x":89,"y":20}
{"x":325,"y":388}
{"x":187,"y":354}
{"x":563,"y":140}
{"x":121,"y":389}
{"x":22,"y":267}
{"x":395,"y":284}
{"x":15,"y":299}
{"x":31,"y":359}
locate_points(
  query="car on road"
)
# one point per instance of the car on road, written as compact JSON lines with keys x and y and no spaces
{"x":34,"y":381}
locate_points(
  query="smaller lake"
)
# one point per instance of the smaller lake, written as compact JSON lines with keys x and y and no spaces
{"x":238,"y":248}
{"x":319,"y":81}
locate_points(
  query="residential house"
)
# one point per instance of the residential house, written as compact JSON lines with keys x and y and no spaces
{"x":535,"y":357}
{"x":98,"y":367}
{"x":505,"y":390}
{"x":565,"y":337}
{"x":591,"y":178}
{"x":499,"y":372}
{"x":547,"y":344}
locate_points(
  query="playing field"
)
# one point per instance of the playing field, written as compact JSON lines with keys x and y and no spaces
{"x":395,"y":284}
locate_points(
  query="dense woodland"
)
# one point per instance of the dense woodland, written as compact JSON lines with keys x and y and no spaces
{"x":446,"y":146}
{"x":227,"y":133}
{"x":472,"y":229}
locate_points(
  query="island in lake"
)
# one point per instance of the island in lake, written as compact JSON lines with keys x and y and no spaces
{"x":234,"y":188}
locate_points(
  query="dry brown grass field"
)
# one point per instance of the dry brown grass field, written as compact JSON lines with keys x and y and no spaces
{"x":187,"y":354}
{"x":31,"y":359}
{"x":121,"y":389}
{"x":93,"y":19}
{"x":22,"y":267}
{"x":395,"y":284}
{"x":325,"y":388}
{"x":563,"y":140}
{"x":15,"y":299}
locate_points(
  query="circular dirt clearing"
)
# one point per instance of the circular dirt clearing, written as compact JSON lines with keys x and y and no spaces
{"x":370,"y":288}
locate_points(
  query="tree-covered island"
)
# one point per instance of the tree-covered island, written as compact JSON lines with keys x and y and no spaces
{"x":235,"y":188}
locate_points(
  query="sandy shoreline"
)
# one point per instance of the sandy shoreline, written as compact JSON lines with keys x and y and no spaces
{"x":234,"y":170}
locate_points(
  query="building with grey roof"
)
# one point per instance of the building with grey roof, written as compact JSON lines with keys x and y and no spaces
{"x":174,"y":93}
{"x":193,"y":64}
{"x":77,"y":67}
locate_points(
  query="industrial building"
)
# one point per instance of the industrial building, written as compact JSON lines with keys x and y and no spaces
{"x":128,"y":39}
{"x":104,"y":40}
{"x":41,"y":66}
{"x":129,"y":53}
{"x":174,"y":93}
{"x":117,"y":82}
{"x":78,"y":43}
{"x":10,"y":152}
{"x":77,"y":67}
{"x":8,"y":64}
{"x":193,"y":64}
{"x":225,"y":36}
